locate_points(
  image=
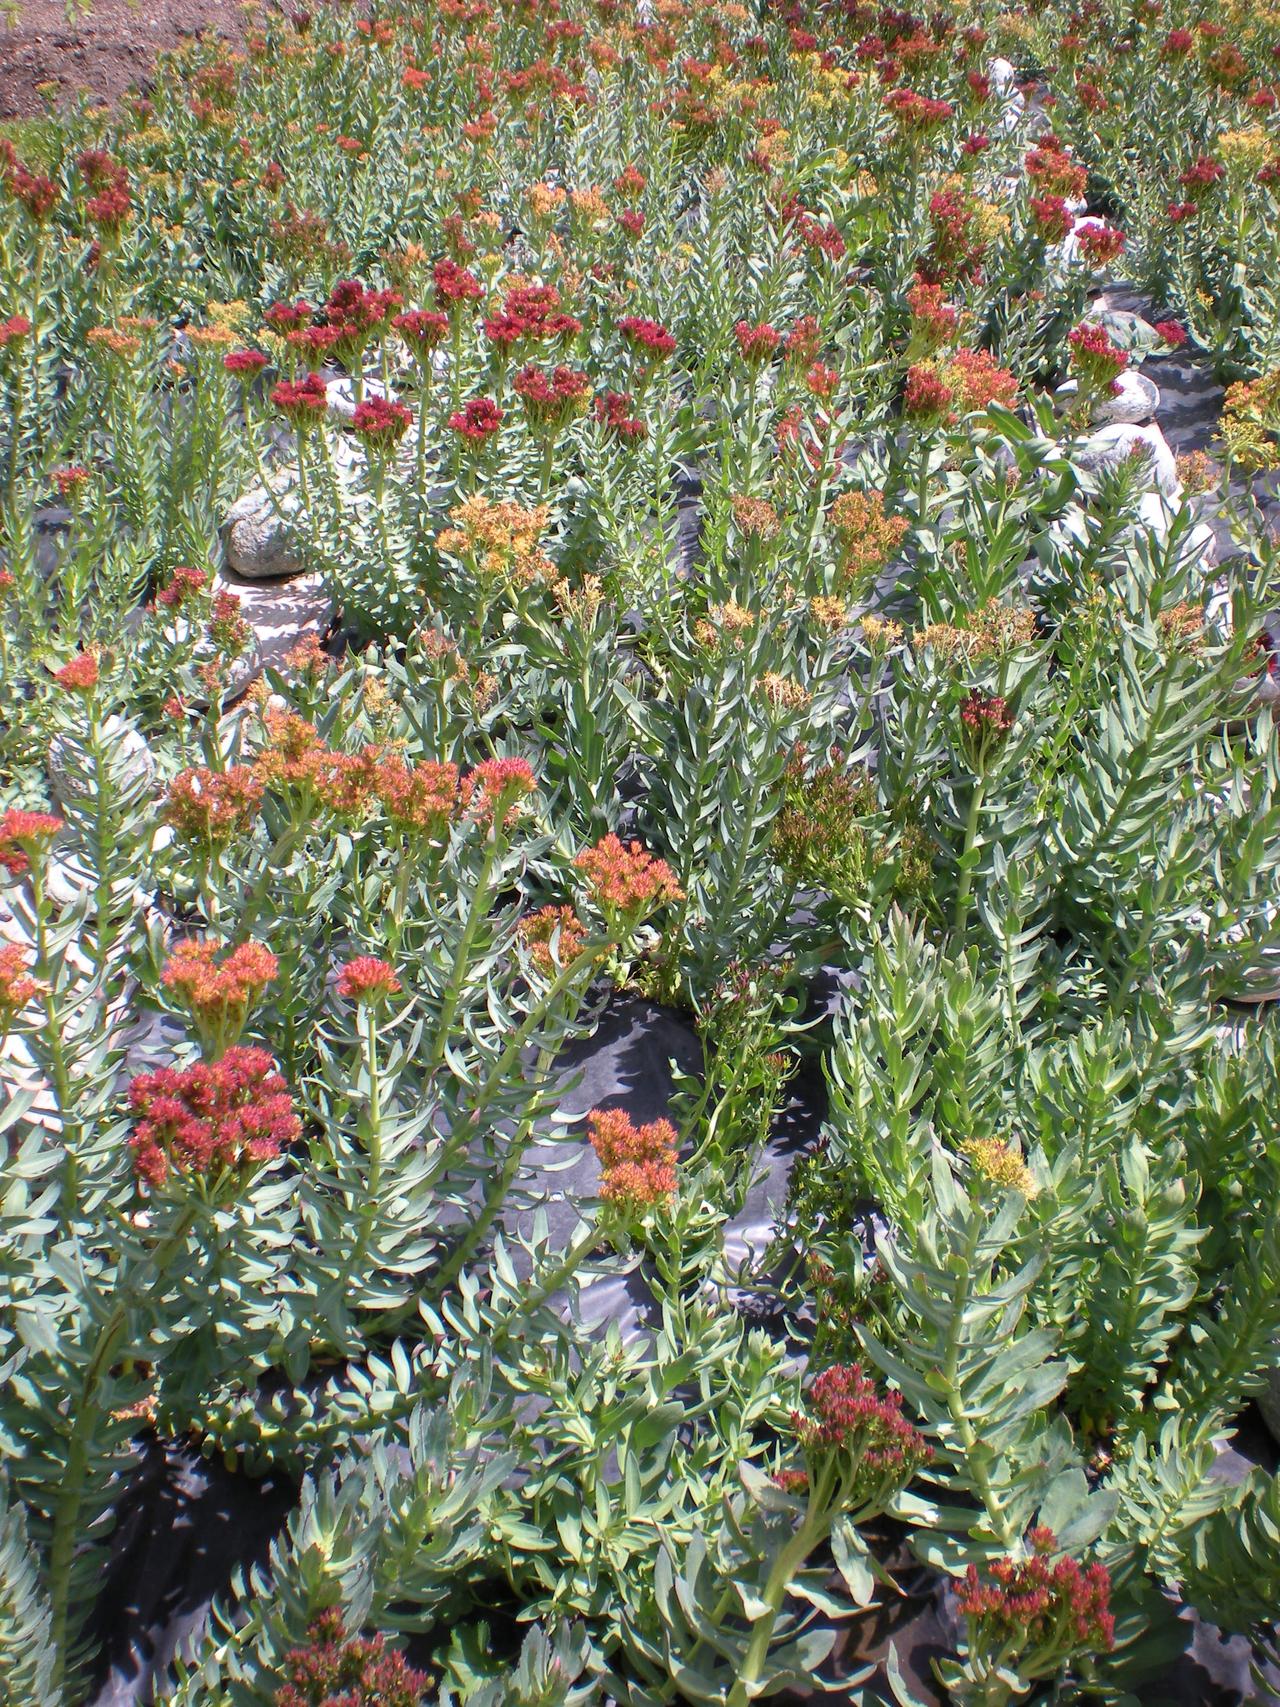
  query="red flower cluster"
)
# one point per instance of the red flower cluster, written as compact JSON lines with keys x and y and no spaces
{"x":637,"y":1163}
{"x":24,"y":836}
{"x":380,"y":422}
{"x":1201,"y":175}
{"x":69,"y":480}
{"x":927,"y":398}
{"x":915,"y":114}
{"x":218,"y":994}
{"x":756,"y":344}
{"x":1174,"y":335}
{"x":625,"y":879}
{"x":613,"y":412}
{"x":367,"y":979}
{"x":986,"y":714}
{"x":1053,"y":171}
{"x":111,"y":205}
{"x":213,"y":806}
{"x":1095,"y":359}
{"x":647,"y":338}
{"x":845,"y":1412}
{"x":247,"y":362}
{"x":1051,"y":218}
{"x":478,"y":420}
{"x":934,"y":321}
{"x":454,"y":285}
{"x":80,"y":673}
{"x":1100,"y":244}
{"x":183,"y":586}
{"x":302,"y":401}
{"x":422,"y":329}
{"x":229,"y":630}
{"x":216,"y":1115}
{"x":337,"y":1670}
{"x":1037,"y":1604}
{"x":419,"y":800}
{"x":552,"y":400}
{"x":36,"y":193}
{"x":13,"y":330}
{"x":531,"y":314}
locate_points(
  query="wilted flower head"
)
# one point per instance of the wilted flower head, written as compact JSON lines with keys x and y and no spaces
{"x":560,"y":925}
{"x":216,"y":1116}
{"x":637,"y":1163}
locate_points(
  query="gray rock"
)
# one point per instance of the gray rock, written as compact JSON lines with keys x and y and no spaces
{"x":256,"y":534}
{"x":1105,"y":450}
{"x":279,"y":614}
{"x":71,"y":778}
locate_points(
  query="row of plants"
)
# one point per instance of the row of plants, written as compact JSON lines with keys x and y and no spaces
{"x":726,"y":595}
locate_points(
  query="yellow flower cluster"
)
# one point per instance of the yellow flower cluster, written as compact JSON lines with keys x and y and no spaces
{"x":1000,"y":1164}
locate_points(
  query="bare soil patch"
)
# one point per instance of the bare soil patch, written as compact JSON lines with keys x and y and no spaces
{"x":106,"y":51}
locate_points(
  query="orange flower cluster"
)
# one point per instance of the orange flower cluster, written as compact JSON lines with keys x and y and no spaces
{"x":80,"y":674}
{"x":868,"y":537}
{"x":637,"y":1163}
{"x":210,"y":806}
{"x":218,"y":994}
{"x":624,"y":879}
{"x":17,"y":986}
{"x":497,"y":785}
{"x":367,"y":980}
{"x":499,"y":537}
{"x":24,"y":835}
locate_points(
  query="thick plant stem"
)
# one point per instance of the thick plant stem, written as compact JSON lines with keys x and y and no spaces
{"x":88,"y":1416}
{"x":812,"y":1531}
{"x":968,"y":860}
{"x":458,"y":972}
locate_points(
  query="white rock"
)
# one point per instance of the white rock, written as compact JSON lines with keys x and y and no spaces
{"x":71,"y":777}
{"x":1137,"y":399}
{"x":1105,"y":450}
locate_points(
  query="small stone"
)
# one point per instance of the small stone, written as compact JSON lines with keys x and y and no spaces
{"x":1105,"y":451}
{"x":71,"y":779}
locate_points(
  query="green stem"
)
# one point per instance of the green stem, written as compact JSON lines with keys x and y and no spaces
{"x":458,"y":972}
{"x":70,"y":1500}
{"x":968,"y":860}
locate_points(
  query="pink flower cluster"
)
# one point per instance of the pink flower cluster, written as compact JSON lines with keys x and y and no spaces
{"x":846,"y":1412}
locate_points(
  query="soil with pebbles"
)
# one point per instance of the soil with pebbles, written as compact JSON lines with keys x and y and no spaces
{"x":103,"y":49}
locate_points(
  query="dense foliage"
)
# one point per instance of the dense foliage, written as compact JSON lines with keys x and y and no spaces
{"x":727,"y":595}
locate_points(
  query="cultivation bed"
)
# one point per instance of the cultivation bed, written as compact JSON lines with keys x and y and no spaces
{"x":639,"y":839}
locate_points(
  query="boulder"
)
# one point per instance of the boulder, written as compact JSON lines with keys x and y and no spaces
{"x":1135,"y":399}
{"x":1106,"y":450}
{"x":71,"y":780}
{"x":256,"y":534}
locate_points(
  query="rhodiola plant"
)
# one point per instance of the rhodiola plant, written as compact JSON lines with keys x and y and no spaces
{"x":670,"y":1063}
